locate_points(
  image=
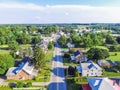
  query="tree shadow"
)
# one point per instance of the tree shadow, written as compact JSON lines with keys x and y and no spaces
{"x":57,"y":86}
{"x":59,"y":72}
{"x":58,"y":58}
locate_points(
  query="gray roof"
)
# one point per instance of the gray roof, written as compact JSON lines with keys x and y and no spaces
{"x":28,"y":68}
{"x":10,"y":71}
{"x":88,"y":66}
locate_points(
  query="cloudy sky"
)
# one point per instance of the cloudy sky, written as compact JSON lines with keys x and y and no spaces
{"x":59,"y":11}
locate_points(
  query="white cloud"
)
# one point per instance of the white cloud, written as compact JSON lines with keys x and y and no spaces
{"x":28,"y":6}
{"x":57,"y":13}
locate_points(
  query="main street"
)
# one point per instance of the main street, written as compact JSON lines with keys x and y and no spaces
{"x":57,"y":81}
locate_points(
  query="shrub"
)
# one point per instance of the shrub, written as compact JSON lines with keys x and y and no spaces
{"x":66,"y":55}
{"x":19,"y":84}
{"x":28,"y":84}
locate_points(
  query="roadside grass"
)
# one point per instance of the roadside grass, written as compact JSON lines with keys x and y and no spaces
{"x":101,"y":47}
{"x":68,"y":62}
{"x":74,"y":83}
{"x":113,"y":56}
{"x":32,"y":88}
{"x":44,"y":74}
{"x":5,"y":88}
{"x":4,"y":49}
{"x":111,"y":74}
{"x":26,"y":45}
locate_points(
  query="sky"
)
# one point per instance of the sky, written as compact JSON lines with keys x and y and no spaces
{"x":59,"y":11}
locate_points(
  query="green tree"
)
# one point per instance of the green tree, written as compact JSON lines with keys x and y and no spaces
{"x":6,"y":61}
{"x":87,"y":42}
{"x":50,"y":45}
{"x":19,"y":84}
{"x":97,"y":54}
{"x":24,"y":38}
{"x":110,"y":40}
{"x":32,"y":29}
{"x":29,"y":84}
{"x":39,"y":57}
{"x":76,"y":40}
{"x":13,"y":45}
{"x":36,"y":39}
{"x":62,"y":41}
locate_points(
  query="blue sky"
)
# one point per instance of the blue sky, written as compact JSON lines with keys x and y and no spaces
{"x":59,"y":11}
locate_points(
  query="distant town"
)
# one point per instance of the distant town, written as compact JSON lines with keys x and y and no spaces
{"x":60,"y":56}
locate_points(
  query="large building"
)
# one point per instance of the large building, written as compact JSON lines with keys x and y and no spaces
{"x":23,"y":72}
{"x":90,"y":69}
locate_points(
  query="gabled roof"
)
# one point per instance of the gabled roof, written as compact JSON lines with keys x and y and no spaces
{"x":76,"y":53}
{"x":79,"y":68}
{"x":102,"y":84}
{"x":91,"y":66}
{"x":94,"y":83}
{"x":23,"y":62}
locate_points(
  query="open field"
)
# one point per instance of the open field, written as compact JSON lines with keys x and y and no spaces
{"x":4,"y":49}
{"x":5,"y":88}
{"x":113,"y":56}
{"x":111,"y":74}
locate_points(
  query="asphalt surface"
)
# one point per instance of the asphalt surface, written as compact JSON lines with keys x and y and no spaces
{"x":57,"y":81}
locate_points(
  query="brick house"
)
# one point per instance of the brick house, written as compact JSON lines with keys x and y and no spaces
{"x":79,"y":57}
{"x":23,"y":72}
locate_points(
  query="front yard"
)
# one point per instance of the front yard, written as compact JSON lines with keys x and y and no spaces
{"x":5,"y":88}
{"x":114,"y":56}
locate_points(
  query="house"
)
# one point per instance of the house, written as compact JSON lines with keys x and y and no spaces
{"x":70,"y":45}
{"x":103,"y":84}
{"x":89,"y":69}
{"x":23,"y":72}
{"x":107,"y":63}
{"x":79,"y":56}
{"x":44,"y":45}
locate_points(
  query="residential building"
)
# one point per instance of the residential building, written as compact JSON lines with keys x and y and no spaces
{"x":70,"y":45}
{"x":107,"y":63}
{"x":23,"y":72}
{"x":89,"y":69}
{"x":103,"y":84}
{"x":79,"y":56}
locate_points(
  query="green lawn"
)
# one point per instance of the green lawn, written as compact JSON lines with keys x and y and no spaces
{"x":113,"y":56}
{"x":68,"y":62}
{"x":5,"y":88}
{"x":46,"y":71}
{"x":26,"y":45}
{"x":111,"y":74}
{"x":4,"y":49}
{"x":32,"y":88}
{"x":75,"y":83}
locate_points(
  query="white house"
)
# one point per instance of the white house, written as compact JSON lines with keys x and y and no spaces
{"x":70,"y":45}
{"x":90,"y":69}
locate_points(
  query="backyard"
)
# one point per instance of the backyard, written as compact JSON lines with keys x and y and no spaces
{"x":114,"y":56}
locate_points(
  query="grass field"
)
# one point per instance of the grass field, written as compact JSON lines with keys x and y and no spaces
{"x":26,"y":45}
{"x":4,"y":49}
{"x":5,"y":88}
{"x":111,"y":74}
{"x":47,"y":69}
{"x":113,"y":56}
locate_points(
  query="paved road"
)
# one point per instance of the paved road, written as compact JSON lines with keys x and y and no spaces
{"x":57,"y":76}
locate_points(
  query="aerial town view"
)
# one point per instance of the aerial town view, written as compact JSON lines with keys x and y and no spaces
{"x":59,"y":44}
